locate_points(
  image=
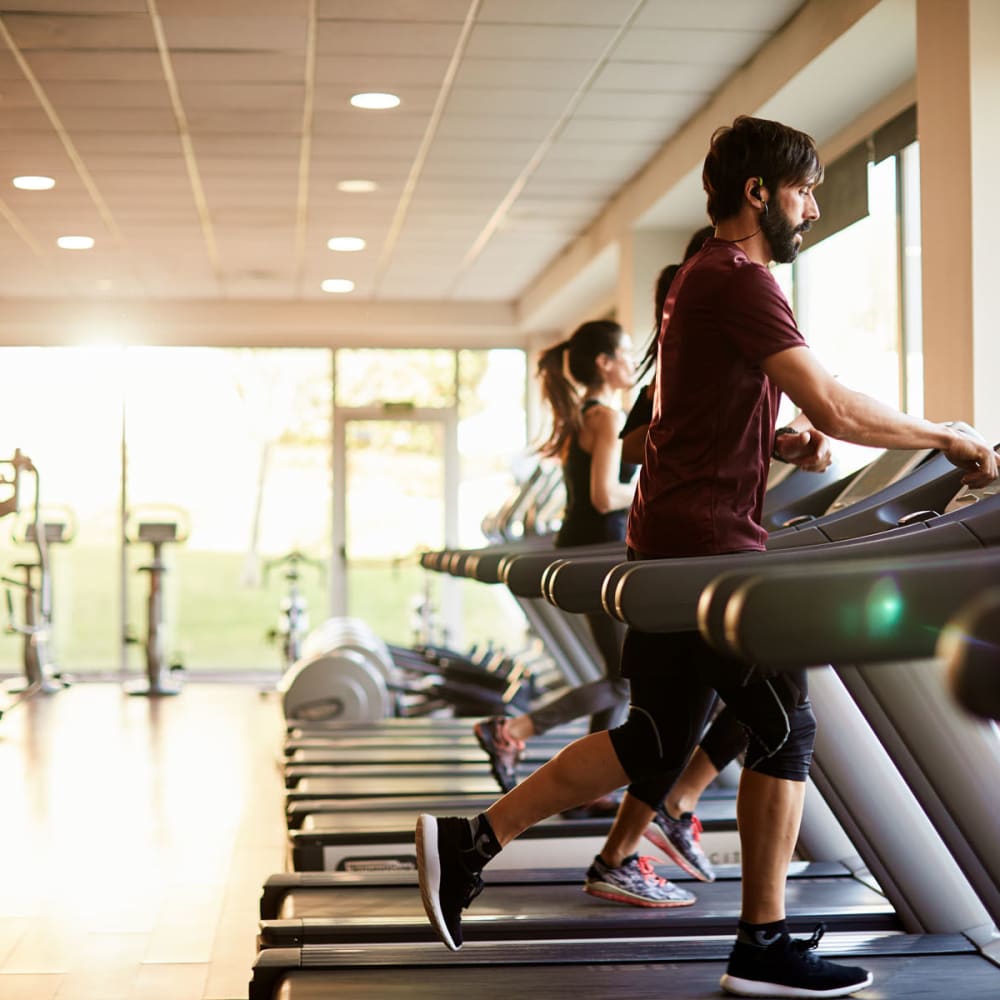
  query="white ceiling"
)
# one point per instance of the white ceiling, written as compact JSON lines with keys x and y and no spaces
{"x":200,"y":142}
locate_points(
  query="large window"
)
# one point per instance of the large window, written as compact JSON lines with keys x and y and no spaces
{"x":857,"y":294}
{"x":415,"y":427}
{"x":233,"y":445}
{"x":63,"y":409}
{"x":235,"y":449}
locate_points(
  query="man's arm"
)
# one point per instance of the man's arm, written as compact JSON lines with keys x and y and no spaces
{"x":843,"y":413}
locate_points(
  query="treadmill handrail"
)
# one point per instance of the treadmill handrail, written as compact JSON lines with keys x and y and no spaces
{"x":868,"y":611}
{"x":662,"y":595}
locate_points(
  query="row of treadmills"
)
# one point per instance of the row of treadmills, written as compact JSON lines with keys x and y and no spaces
{"x":890,"y":574}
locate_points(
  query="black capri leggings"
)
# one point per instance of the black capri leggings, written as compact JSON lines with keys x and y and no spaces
{"x":674,"y":679}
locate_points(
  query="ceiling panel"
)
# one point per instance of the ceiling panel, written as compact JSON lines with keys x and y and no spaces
{"x":364,"y":73}
{"x":542,"y":42}
{"x":509,"y":73}
{"x":82,"y":6}
{"x":248,"y":32}
{"x":89,"y":65}
{"x":250,"y":67}
{"x":484,"y":176}
{"x":395,"y":10}
{"x":66,"y":95}
{"x":71,"y":33}
{"x":524,"y":101}
{"x":660,"y":77}
{"x":603,"y":13}
{"x":385,"y":39}
{"x":718,"y":46}
{"x":748,"y":15}
{"x":640,"y":105}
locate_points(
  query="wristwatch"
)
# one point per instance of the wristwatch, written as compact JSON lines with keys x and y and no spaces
{"x":777,"y":434}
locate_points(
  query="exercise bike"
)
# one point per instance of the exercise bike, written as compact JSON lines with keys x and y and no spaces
{"x":293,"y":609}
{"x":40,"y":675}
{"x":162,"y":678}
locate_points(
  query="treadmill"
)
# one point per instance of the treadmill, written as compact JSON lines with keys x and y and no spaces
{"x":325,"y":839}
{"x":673,"y":966}
{"x":320,"y":841}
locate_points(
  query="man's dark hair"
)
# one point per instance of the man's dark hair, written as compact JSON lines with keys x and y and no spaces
{"x":755,"y":147}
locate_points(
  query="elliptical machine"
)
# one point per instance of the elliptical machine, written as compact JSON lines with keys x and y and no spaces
{"x":40,"y":676}
{"x":161,"y":678}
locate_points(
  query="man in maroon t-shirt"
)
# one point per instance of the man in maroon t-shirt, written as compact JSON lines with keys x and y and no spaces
{"x":702,"y":481}
{"x":728,"y":347}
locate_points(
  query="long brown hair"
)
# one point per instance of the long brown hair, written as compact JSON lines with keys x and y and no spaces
{"x":579,"y":354}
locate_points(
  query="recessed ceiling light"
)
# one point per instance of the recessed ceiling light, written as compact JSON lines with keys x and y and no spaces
{"x":337,"y":285}
{"x":346,"y":244}
{"x":75,"y":242}
{"x":375,"y":102}
{"x":357,"y":186}
{"x":30,"y":183}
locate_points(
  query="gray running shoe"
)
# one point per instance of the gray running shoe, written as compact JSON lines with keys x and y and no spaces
{"x":503,"y":752}
{"x":680,"y":840}
{"x":634,"y":882}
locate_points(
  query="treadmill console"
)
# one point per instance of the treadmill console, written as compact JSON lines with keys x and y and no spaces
{"x":887,"y":469}
{"x":966,"y":497}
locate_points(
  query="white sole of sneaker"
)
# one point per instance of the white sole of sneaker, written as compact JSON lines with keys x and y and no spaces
{"x":429,"y":873}
{"x":655,"y":836}
{"x":754,"y":988}
{"x":618,"y":897}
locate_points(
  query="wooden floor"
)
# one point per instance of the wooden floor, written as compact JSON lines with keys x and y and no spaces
{"x":135,"y":835}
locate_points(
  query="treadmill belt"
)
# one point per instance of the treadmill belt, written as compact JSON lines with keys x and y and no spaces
{"x":535,"y":911}
{"x":906,"y":967}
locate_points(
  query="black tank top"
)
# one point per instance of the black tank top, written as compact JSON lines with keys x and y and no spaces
{"x":582,"y":523}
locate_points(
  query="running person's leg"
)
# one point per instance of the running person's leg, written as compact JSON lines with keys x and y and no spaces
{"x":451,"y":852}
{"x":605,"y":701}
{"x":675,"y":829}
{"x":781,"y":728}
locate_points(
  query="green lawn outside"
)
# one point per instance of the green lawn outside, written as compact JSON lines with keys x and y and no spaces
{"x":219,"y":624}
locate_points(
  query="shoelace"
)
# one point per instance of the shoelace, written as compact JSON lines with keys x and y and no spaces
{"x":474,"y":888}
{"x":645,"y":864}
{"x":807,"y":944}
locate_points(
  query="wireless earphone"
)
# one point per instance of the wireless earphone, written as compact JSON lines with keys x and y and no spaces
{"x":755,"y":193}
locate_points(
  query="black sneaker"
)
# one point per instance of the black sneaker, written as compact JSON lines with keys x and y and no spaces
{"x":790,"y":967}
{"x":504,"y":753}
{"x":447,"y":886}
{"x":680,"y":840}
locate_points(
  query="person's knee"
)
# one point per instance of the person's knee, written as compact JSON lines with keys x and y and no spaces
{"x":649,"y":746}
{"x":637,"y":743}
{"x":785,"y":752}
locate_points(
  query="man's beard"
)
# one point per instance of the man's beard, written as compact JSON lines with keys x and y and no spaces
{"x":780,"y":235}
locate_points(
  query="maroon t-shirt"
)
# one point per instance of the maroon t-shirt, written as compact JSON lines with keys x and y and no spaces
{"x":701,"y":485}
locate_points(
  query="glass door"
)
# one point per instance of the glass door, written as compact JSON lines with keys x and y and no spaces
{"x":395,"y":484}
